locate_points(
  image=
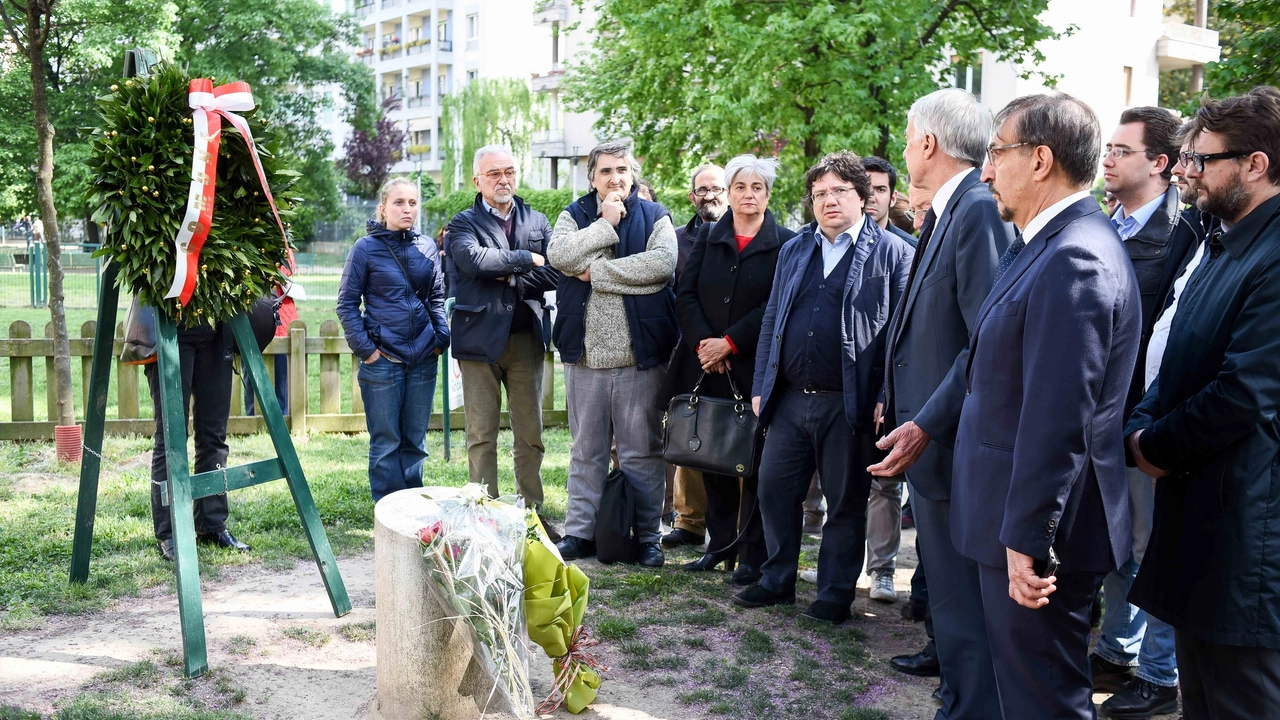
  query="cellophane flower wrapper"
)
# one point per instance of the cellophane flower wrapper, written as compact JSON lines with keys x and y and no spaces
{"x":474,"y":552}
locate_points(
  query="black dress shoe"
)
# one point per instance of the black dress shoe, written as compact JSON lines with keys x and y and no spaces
{"x":1140,"y":700}
{"x":745,"y":576}
{"x":921,"y":664}
{"x":651,"y":555}
{"x":1109,"y":677}
{"x":680,"y":536}
{"x":826,"y":611}
{"x":576,"y":548}
{"x":708,"y":561}
{"x":166,"y":548}
{"x":222,"y":539}
{"x":758,"y":596}
{"x":552,"y":535}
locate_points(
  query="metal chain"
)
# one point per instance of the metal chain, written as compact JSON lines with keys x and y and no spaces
{"x":226,"y":487}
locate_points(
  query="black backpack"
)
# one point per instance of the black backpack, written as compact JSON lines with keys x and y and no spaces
{"x":615,"y":540}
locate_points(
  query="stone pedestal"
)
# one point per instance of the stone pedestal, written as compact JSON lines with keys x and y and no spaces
{"x":424,"y":661}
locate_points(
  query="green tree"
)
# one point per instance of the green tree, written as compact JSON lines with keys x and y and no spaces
{"x":486,"y":111}
{"x":1249,"y":32}
{"x":690,"y":79}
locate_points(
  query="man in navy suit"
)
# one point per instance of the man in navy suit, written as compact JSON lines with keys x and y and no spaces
{"x":1039,"y":467}
{"x":928,"y":348}
{"x":819,"y":370}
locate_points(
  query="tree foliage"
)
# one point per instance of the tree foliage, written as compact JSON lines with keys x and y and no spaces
{"x":368,"y":156}
{"x":692,"y":79}
{"x":487,"y":111}
{"x":1249,"y":33}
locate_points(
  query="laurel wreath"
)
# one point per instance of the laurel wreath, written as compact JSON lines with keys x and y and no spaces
{"x":141,"y":162}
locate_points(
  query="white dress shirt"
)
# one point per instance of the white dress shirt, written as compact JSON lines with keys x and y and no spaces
{"x":1160,"y":333}
{"x":833,"y":250}
{"x":944,"y":193}
{"x":1039,"y":222}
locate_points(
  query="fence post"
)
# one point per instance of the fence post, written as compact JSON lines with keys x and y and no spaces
{"x":237,"y":388}
{"x":126,"y":384}
{"x":330,"y":379}
{"x":298,"y":377}
{"x":549,"y":382}
{"x":50,"y":378}
{"x":87,"y":330}
{"x":21,"y":379}
{"x":357,"y":400}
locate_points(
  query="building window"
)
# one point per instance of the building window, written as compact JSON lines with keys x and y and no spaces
{"x":473,"y":26}
{"x":442,"y":85}
{"x":967,"y":76}
{"x":472,"y":75}
{"x":1128,"y":85}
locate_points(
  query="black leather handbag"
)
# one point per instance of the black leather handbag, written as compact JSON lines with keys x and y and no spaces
{"x":712,"y":434}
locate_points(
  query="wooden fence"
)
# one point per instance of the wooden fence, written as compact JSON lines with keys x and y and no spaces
{"x":23,"y":351}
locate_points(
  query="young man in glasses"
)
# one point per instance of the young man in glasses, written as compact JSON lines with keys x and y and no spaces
{"x":498,"y":246}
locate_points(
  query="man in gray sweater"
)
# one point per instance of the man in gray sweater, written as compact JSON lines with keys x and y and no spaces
{"x":615,"y":330}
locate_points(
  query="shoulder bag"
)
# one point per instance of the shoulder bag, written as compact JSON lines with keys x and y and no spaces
{"x":712,"y":434}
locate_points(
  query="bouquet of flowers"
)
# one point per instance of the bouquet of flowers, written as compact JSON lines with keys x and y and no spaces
{"x":474,"y":553}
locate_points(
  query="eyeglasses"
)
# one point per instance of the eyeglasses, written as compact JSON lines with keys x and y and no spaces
{"x":496,"y":175}
{"x":1188,"y":158}
{"x":993,"y":150}
{"x":705,"y":191}
{"x":833,"y":193}
{"x":1119,"y":153}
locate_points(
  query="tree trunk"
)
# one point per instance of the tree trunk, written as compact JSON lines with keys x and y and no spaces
{"x":49,"y":214}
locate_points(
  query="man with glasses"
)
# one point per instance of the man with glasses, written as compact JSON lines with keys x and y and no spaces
{"x":1134,"y":657}
{"x":498,"y":325}
{"x":819,"y":370}
{"x":1207,"y":427}
{"x":688,"y":497}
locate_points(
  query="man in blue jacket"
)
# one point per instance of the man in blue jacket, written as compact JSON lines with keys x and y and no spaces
{"x":498,"y":246}
{"x":819,"y":369}
{"x":1038,"y":471}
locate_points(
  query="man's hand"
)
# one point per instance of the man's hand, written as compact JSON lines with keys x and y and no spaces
{"x":538,"y":260}
{"x":713,"y":350}
{"x":612,"y":210}
{"x":908,"y":442}
{"x":755,"y":405}
{"x":373,"y":358}
{"x":1025,"y":587}
{"x":877,"y":416}
{"x":1138,"y":457}
{"x":586,"y":275}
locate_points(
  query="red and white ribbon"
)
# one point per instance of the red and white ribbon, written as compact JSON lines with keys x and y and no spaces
{"x":209,"y":105}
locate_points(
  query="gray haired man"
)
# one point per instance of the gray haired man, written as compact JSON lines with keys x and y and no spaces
{"x":499,"y":246}
{"x":615,"y":329}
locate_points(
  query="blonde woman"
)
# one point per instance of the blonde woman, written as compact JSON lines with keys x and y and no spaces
{"x":395,"y":274}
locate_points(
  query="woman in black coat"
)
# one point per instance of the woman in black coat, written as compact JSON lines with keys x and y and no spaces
{"x":720,"y":302}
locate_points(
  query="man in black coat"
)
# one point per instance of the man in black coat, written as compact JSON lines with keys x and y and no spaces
{"x":499,"y":336}
{"x":1207,"y":429}
{"x":928,"y":347}
{"x":1039,"y":474}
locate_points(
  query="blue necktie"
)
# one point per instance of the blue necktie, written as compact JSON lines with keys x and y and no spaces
{"x":1008,"y":257}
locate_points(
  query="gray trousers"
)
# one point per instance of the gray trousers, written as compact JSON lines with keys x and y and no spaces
{"x":884,"y":524}
{"x":622,"y":403}
{"x":519,"y":368}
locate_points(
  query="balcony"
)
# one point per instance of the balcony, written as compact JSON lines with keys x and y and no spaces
{"x":445,"y":45}
{"x":548,"y":143}
{"x":389,"y":4}
{"x":419,"y":101}
{"x":419,"y":152}
{"x":417,"y":47}
{"x":365,"y":10}
{"x":1184,"y":46}
{"x":391,"y":52}
{"x":549,"y":82}
{"x":547,"y":12}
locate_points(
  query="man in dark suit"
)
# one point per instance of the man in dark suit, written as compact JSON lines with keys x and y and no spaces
{"x":818,"y":374}
{"x":1039,"y":468}
{"x":961,"y":242}
{"x":498,"y":247}
{"x":1207,"y":428}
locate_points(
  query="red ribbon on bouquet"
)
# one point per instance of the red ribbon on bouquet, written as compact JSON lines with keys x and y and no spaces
{"x":209,"y":106}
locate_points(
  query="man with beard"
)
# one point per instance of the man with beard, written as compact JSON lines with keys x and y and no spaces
{"x":1207,"y":428}
{"x":688,"y":497}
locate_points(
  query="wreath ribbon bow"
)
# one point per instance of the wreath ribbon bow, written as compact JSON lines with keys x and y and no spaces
{"x":210,"y":105}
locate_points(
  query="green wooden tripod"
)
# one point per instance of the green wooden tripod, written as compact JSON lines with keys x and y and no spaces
{"x":182,"y":487}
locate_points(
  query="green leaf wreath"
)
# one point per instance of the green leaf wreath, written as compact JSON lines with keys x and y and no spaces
{"x":141,"y":161}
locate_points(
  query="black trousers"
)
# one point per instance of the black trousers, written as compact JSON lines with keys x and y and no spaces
{"x":734,"y":514}
{"x":1227,"y":682}
{"x":808,"y":433}
{"x":1041,"y":656}
{"x":206,"y":379}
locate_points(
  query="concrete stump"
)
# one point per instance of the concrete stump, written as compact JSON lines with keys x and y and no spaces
{"x":425,"y":668}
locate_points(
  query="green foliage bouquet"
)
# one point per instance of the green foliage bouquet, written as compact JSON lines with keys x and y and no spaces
{"x":142,"y":166}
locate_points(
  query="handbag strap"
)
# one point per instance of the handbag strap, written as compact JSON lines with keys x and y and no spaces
{"x":416,"y":293}
{"x":733,"y":386}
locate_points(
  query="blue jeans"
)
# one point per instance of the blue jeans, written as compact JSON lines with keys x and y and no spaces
{"x":1131,"y":637}
{"x":281,"y":386}
{"x":397,"y":410}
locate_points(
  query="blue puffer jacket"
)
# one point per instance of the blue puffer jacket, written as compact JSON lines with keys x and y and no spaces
{"x":394,"y":321}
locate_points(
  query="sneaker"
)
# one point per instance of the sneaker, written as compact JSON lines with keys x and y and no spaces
{"x":1140,"y":700}
{"x":882,"y":587}
{"x":809,"y":576}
